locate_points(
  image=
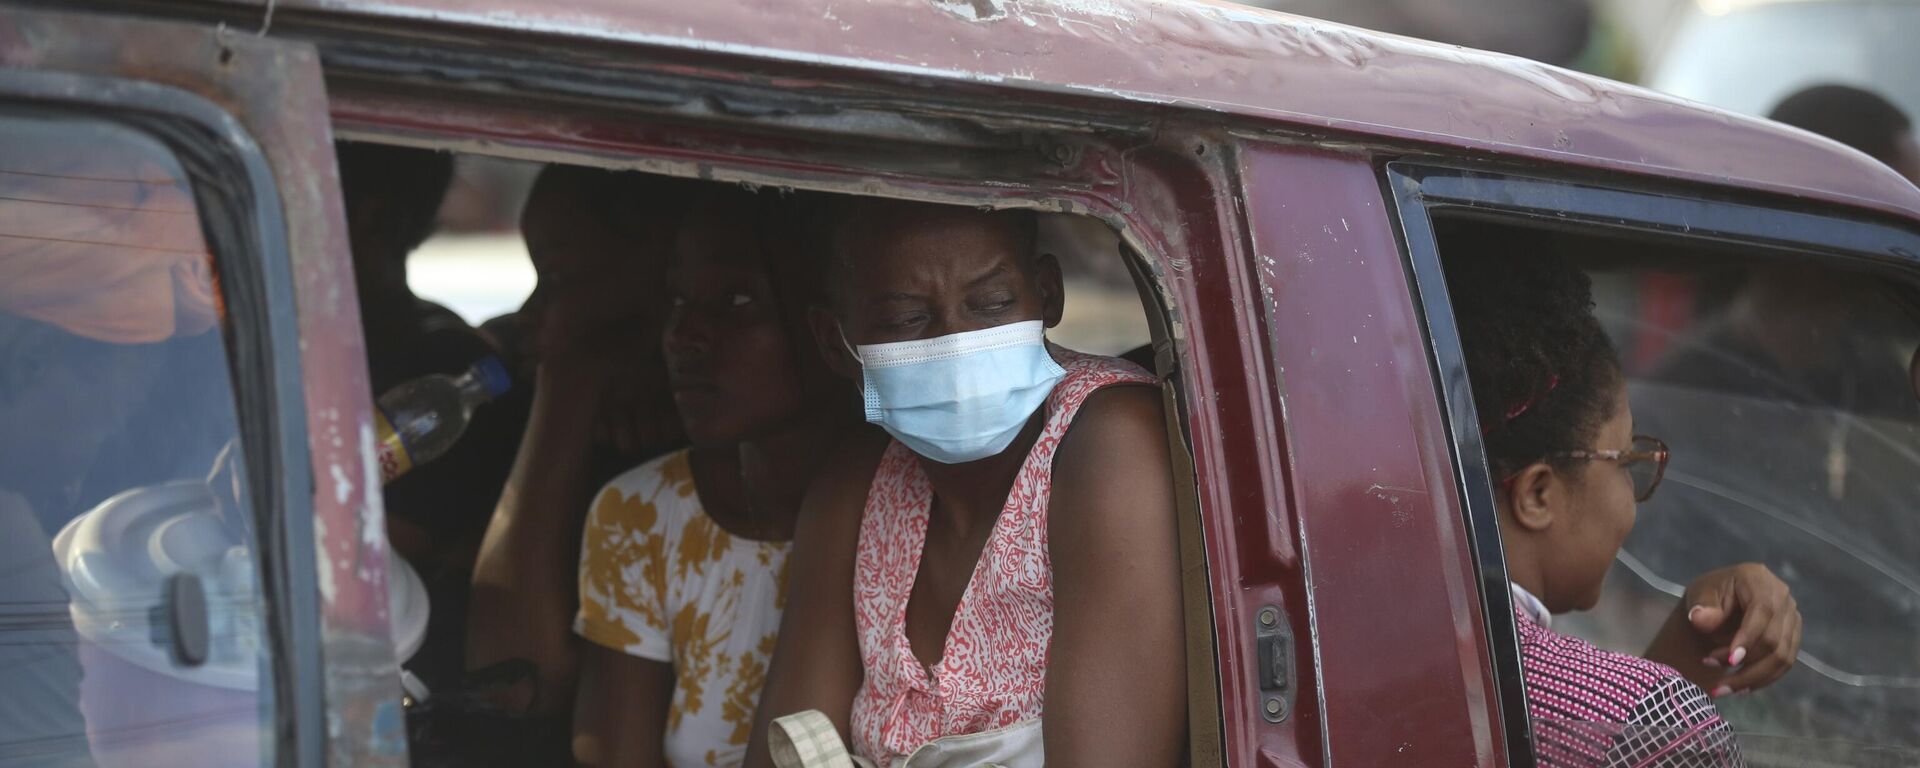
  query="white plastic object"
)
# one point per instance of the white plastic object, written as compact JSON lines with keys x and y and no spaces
{"x":116,"y":558}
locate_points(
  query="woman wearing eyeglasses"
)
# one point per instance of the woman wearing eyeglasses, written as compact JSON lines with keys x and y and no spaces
{"x":1568,"y":472}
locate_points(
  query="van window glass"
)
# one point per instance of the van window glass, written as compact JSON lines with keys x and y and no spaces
{"x":1784,"y":385}
{"x":119,"y":465}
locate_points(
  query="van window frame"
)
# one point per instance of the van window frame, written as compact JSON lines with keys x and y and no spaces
{"x":840,"y":173}
{"x":1420,"y":188}
{"x":241,"y":218}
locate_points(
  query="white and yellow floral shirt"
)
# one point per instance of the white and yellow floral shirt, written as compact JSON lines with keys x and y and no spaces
{"x":660,"y":580}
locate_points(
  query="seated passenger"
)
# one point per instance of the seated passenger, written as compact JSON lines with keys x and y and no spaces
{"x":683,"y":567}
{"x":437,"y":512}
{"x":599,"y":242}
{"x":1568,"y":471}
{"x":1008,"y":560}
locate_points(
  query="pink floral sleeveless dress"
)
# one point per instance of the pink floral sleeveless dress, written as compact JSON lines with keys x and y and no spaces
{"x":992,"y":673}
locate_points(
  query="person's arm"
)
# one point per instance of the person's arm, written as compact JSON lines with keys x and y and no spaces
{"x":620,"y":714}
{"x":626,"y":676}
{"x":524,"y":578}
{"x":816,"y":661}
{"x":1736,"y":629}
{"x":1116,"y":681}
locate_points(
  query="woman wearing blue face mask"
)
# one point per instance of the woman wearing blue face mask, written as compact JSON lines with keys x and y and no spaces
{"x":1005,"y":567}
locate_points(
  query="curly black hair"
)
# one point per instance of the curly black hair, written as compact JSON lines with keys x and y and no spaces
{"x":1543,"y":372}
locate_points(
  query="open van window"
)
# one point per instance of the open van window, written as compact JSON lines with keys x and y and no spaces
{"x":476,"y":262}
{"x":482,"y":269}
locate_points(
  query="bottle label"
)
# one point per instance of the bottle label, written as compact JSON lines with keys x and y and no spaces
{"x":394,"y":460}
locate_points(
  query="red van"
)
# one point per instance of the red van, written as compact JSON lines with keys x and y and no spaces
{"x":1285,"y":193}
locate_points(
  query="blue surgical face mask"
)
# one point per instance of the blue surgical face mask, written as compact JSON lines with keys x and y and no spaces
{"x":959,"y":398}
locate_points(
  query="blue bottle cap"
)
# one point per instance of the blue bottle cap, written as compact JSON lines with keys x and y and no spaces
{"x":493,"y":375}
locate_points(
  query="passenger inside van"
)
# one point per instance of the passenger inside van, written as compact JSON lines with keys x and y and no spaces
{"x":591,"y":236}
{"x":683,"y":568}
{"x":437,"y":512}
{"x":1568,"y":473}
{"x":598,"y":241}
{"x":1009,"y":557}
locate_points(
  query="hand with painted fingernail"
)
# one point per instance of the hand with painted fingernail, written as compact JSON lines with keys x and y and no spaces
{"x":1748,"y":622}
{"x":1763,"y":617}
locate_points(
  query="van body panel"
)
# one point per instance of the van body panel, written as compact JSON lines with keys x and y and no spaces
{"x":1244,"y":66}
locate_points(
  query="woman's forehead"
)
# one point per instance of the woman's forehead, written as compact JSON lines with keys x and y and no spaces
{"x":922,"y":273}
{"x":926,"y":224}
{"x":964,"y":245}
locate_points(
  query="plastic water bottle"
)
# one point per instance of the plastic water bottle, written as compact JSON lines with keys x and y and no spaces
{"x":419,"y":420}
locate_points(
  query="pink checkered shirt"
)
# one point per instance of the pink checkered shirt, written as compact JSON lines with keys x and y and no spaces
{"x":1593,"y":708}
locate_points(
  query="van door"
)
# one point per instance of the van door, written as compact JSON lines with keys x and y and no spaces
{"x":1772,"y":346}
{"x":167,"y":203}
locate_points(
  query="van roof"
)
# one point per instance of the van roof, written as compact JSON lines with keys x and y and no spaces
{"x":1216,"y":57}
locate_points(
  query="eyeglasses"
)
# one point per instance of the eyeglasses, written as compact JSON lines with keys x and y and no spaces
{"x":1646,"y":463}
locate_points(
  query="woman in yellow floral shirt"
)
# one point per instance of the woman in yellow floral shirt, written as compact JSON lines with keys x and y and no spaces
{"x":683,"y":564}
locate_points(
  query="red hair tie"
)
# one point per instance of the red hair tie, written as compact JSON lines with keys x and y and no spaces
{"x":1553,"y":382}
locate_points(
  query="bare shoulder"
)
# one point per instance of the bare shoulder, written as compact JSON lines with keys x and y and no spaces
{"x":1118,"y":427}
{"x":1113,"y":466}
